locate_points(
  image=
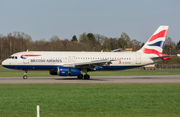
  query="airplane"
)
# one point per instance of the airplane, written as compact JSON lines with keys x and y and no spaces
{"x":63,"y":63}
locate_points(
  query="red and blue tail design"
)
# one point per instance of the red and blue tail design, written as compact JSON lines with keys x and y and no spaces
{"x":155,"y":44}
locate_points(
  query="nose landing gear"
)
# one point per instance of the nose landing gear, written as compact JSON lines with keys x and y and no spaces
{"x":25,"y":75}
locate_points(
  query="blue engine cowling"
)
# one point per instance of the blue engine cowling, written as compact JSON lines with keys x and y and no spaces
{"x":66,"y":71}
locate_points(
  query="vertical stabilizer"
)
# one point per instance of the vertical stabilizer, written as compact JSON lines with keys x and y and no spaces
{"x":155,"y":44}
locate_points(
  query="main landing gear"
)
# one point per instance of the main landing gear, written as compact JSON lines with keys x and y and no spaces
{"x":25,"y":75}
{"x":86,"y":76}
{"x":80,"y":76}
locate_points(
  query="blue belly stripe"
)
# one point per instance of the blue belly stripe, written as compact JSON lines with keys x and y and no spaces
{"x":50,"y":67}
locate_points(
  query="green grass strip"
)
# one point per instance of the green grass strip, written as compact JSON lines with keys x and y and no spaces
{"x":13,"y":73}
{"x":90,"y":100}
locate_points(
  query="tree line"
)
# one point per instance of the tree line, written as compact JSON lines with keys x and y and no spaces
{"x":19,"y":41}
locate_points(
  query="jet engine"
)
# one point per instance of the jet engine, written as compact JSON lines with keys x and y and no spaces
{"x":66,"y":71}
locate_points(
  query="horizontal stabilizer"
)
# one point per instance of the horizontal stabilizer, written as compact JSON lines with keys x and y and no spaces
{"x":165,"y":57}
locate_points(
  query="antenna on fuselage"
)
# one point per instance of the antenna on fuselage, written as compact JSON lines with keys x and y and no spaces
{"x":27,"y":50}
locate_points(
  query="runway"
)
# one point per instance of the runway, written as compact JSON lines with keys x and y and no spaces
{"x":158,"y":79}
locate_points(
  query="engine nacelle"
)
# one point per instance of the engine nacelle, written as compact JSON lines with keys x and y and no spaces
{"x":66,"y":71}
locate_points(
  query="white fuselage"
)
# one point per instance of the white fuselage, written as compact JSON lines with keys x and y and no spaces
{"x":47,"y":60}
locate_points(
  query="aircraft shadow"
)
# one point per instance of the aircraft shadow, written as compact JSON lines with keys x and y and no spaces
{"x":81,"y":79}
{"x":142,"y":78}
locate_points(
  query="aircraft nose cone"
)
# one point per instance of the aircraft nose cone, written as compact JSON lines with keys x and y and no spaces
{"x":4,"y":63}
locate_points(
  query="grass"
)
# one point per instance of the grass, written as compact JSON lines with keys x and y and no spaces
{"x":14,"y":73}
{"x":90,"y":100}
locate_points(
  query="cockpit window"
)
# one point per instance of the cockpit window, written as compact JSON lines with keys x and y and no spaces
{"x":13,"y":57}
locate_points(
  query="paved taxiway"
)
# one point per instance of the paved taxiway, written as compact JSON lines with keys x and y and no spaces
{"x":159,"y":79}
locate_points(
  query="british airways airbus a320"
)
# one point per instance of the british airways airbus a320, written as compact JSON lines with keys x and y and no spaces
{"x":77,"y":63}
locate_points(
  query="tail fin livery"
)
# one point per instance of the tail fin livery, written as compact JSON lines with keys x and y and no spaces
{"x":155,"y":44}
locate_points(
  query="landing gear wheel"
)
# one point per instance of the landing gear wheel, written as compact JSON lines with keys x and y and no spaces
{"x":86,"y":76}
{"x":80,"y":76}
{"x":25,"y":77}
{"x":25,"y":74}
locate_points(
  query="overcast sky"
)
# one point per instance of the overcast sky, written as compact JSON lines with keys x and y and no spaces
{"x":65,"y":18}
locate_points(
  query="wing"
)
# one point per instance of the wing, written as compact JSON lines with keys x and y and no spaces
{"x":87,"y":65}
{"x":92,"y":64}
